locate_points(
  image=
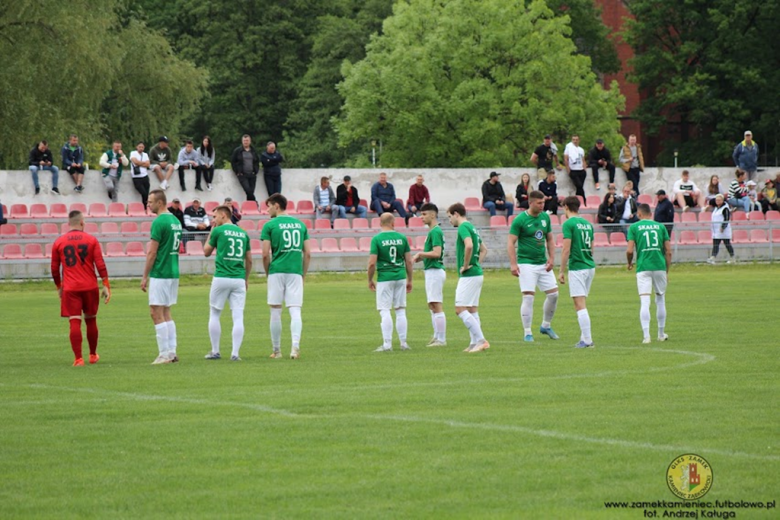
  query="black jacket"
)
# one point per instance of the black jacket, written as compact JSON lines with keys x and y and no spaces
{"x":664,"y":212}
{"x":179,"y":214}
{"x":237,"y":161}
{"x":271,"y":162}
{"x":621,"y":207}
{"x":608,"y":210}
{"x":549,"y":190}
{"x":595,"y":155}
{"x":36,"y":156}
{"x":492,"y":192}
{"x":341,"y":196}
{"x":519,"y":199}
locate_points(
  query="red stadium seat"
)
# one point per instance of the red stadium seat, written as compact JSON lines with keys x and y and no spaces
{"x":473,"y":204}
{"x":39,"y":211}
{"x":135,"y":249}
{"x":741,"y":236}
{"x":330,"y":245}
{"x":593,"y":201}
{"x":33,"y":251}
{"x":689,"y":217}
{"x":416,"y":223}
{"x":758,"y":236}
{"x":349,"y":245}
{"x":247,"y":225}
{"x":705,"y":216}
{"x":194,"y":248}
{"x":419,"y":243}
{"x":59,"y":210}
{"x":559,"y":240}
{"x":129,"y":228}
{"x":322,"y":224}
{"x":98,"y":209}
{"x":305,"y":207}
{"x":618,"y":240}
{"x":146,"y":227}
{"x":642,"y":199}
{"x":117,"y":209}
{"x":375,"y":223}
{"x":561,"y":218}
{"x":48,"y":249}
{"x":210,"y":206}
{"x":400,"y":223}
{"x":677,"y":218}
{"x":49,"y":229}
{"x":255,"y":247}
{"x":756,"y":217}
{"x":772,"y":215}
{"x":78,"y":206}
{"x":263,"y":208}
{"x":776,"y":236}
{"x":364,"y":244}
{"x":19,"y":211}
{"x":28,"y":230}
{"x":109,"y":228}
{"x":12,"y":252}
{"x":705,"y":236}
{"x":249,"y":208}
{"x":136,"y":209}
{"x":359,"y":224}
{"x":306,"y":222}
{"x":688,"y":238}
{"x":91,"y":228}
{"x":738,"y":216}
{"x":341,"y":224}
{"x":588,"y":217}
{"x":114,"y":249}
{"x":314,"y":246}
{"x":261,"y":224}
{"x":554,"y":220}
{"x":600,"y":239}
{"x":498,"y":222}
{"x":291,"y":208}
{"x":364,"y":203}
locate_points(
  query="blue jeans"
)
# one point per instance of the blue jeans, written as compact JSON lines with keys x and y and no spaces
{"x":743,"y":203}
{"x":376,"y":205}
{"x":360,"y":211}
{"x":55,"y":174}
{"x":492,"y":207}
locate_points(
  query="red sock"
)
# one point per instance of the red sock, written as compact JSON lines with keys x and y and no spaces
{"x":75,"y":337}
{"x":92,"y":334}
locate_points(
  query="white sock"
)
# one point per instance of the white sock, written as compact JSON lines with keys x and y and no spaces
{"x":215,"y":329}
{"x":527,"y":312}
{"x":238,"y":330}
{"x":584,"y":319}
{"x":401,"y":325}
{"x":296,"y":325}
{"x":162,"y":337}
{"x":171,"y":337}
{"x":644,"y":314}
{"x":440,"y":326}
{"x":433,"y":322}
{"x":660,"y":313}
{"x":276,"y":328}
{"x":550,"y":304}
{"x":472,"y":324}
{"x":387,"y":328}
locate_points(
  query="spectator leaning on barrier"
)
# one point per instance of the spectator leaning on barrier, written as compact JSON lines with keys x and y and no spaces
{"x":195,"y":218}
{"x":746,"y":155}
{"x":664,"y":211}
{"x":383,"y":197}
{"x":113,"y":161}
{"x":522,"y":191}
{"x":42,"y":159}
{"x":600,"y":157}
{"x":189,"y":159}
{"x":608,"y":214}
{"x":549,"y":189}
{"x":493,"y":197}
{"x":574,"y":159}
{"x":544,"y":156}
{"x":235,"y":217}
{"x":632,"y":161}
{"x":325,"y":200}
{"x":73,"y":161}
{"x":246,"y":164}
{"x":272,"y":170}
{"x":175,"y":210}
{"x":686,"y":194}
{"x":738,"y":192}
{"x":348,"y":201}
{"x":206,"y":158}
{"x":140,"y":171}
{"x":768,"y":202}
{"x":418,"y":195}
{"x":161,"y":159}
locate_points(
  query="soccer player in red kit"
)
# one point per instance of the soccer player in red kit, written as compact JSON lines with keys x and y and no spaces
{"x":79,"y":254}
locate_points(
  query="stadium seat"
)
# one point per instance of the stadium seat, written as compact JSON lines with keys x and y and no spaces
{"x":117,"y":209}
{"x":400,"y":223}
{"x":554,"y":220}
{"x":33,"y":251}
{"x":136,"y":209}
{"x":48,"y":249}
{"x":498,"y":222}
{"x":28,"y":230}
{"x":600,"y":239}
{"x":772,"y":215}
{"x":49,"y":229}
{"x":78,"y":206}
{"x":559,"y":240}
{"x":314,"y":246}
{"x":90,"y":227}
{"x":146,"y":227}
{"x":677,"y":218}
{"x":705,"y":236}
{"x":129,"y":228}
{"x":255,"y":247}
{"x":419,"y":243}
{"x":109,"y":228}
{"x":756,"y":217}
{"x":582,"y":200}
{"x":330,"y":245}
{"x":375,"y":223}
{"x":247,"y":225}
{"x":705,"y":216}
{"x":349,"y":245}
{"x":19,"y":211}
{"x":341,"y":224}
{"x":416,"y":223}
{"x":689,"y":217}
{"x":291,"y":208}
{"x":322,"y":224}
{"x":588,"y":217}
{"x":776,"y":236}
{"x":688,"y":238}
{"x":644,"y":198}
{"x":738,"y":216}
{"x":12,"y":252}
{"x":305,"y":207}
{"x":364,"y":203}
{"x":618,"y":239}
{"x":261,"y":224}
{"x":561,"y":218}
{"x":98,"y":209}
{"x":59,"y":210}
{"x":364,"y":244}
{"x":263,"y":208}
{"x":473,"y":204}
{"x":360,"y":224}
{"x":306,"y":222}
{"x":114,"y":249}
{"x":249,"y":208}
{"x":39,"y":211}
{"x":210,"y":206}
{"x":758,"y":236}
{"x":135,"y":249}
{"x":593,"y":201}
{"x":194,"y":248}
{"x":741,"y":236}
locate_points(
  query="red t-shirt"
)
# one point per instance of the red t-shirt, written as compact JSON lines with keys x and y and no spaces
{"x":349,"y":202}
{"x":79,"y":254}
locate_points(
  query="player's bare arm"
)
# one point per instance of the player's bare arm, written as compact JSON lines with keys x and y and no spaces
{"x":468,"y":250}
{"x":266,"y":256}
{"x":151,"y":256}
{"x":409,"y":271}
{"x":483,"y":251}
{"x":306,"y":257}
{"x":564,"y":260}
{"x":434,"y":253}
{"x":371,"y":271}
{"x":247,"y":267}
{"x":511,"y":251}
{"x":207,"y":247}
{"x":668,"y":255}
{"x":550,"y":252}
{"x":630,"y":255}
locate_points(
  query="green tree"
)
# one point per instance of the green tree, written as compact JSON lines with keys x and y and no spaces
{"x":468,"y":83}
{"x":712,"y":66}
{"x":589,"y":33}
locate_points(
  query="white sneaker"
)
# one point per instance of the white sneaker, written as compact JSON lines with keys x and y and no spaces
{"x":405,"y":346}
{"x":431,"y":342}
{"x":208,"y":187}
{"x":731,"y":260}
{"x":471,"y":346}
{"x":646,"y":341}
{"x":711,"y":260}
{"x":164,"y":185}
{"x":161,"y":360}
{"x":437,"y":343}
{"x":295,"y":353}
{"x":663,"y":338}
{"x":686,"y":209}
{"x":383,"y":349}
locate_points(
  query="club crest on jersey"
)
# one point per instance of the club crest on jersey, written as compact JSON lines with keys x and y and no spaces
{"x":538,"y":235}
{"x":544,"y":223}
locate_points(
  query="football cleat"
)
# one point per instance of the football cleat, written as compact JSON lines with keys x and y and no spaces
{"x":235,"y":358}
{"x":437,"y":343}
{"x":431,"y":342}
{"x":583,"y":344}
{"x":276,"y":354}
{"x":93,"y":358}
{"x":479,"y":347}
{"x":174,"y":358}
{"x":549,"y":332}
{"x":79,"y":362}
{"x":528,"y":338}
{"x":161,"y":360}
{"x":295,"y":353}
{"x":646,"y":341}
{"x":711,"y":260}
{"x":405,"y":346}
{"x":663,"y":338}
{"x":471,"y":346}
{"x":383,"y":349}
{"x":213,"y":355}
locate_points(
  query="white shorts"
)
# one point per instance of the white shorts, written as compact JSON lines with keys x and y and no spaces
{"x":579,"y":282}
{"x":468,"y":291}
{"x":285,"y":288}
{"x":390,"y":295}
{"x":533,"y":276}
{"x":163,"y":291}
{"x":434,"y":285}
{"x":224,"y":288}
{"x":647,"y":281}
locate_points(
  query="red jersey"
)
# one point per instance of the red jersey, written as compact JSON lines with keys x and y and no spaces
{"x":79,"y":254}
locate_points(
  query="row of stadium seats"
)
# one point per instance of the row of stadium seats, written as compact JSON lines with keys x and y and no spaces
{"x":738,"y":218}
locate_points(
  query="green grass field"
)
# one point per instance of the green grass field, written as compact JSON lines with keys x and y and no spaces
{"x":531,"y":431}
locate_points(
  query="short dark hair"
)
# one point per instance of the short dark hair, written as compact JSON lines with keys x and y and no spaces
{"x":458,"y":209}
{"x":536,"y":194}
{"x":573,"y":203}
{"x":74,"y":214}
{"x":140,"y":142}
{"x":246,"y":135}
{"x":188,"y":141}
{"x":159,"y":195}
{"x":277,"y":198}
{"x":43,"y":141}
{"x":225,"y":210}
{"x":644,"y":209}
{"x":429,"y":206}
{"x":72,"y":136}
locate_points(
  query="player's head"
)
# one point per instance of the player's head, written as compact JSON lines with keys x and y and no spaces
{"x":571,"y":205}
{"x":429,"y":213}
{"x":76,"y":220}
{"x":222,"y":215}
{"x":456,"y":214}
{"x":387,"y":220}
{"x":157,"y":201}
{"x":535,"y":202}
{"x":277,"y":204}
{"x":644,"y":212}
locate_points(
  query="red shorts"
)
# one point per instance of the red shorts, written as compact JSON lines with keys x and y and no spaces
{"x":74,"y":302}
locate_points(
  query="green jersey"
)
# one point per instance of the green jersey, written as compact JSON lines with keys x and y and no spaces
{"x":580,"y":232}
{"x":531,"y":233}
{"x":467,"y":230}
{"x":231,"y":244}
{"x":390,"y":248}
{"x":166,"y":231}
{"x":435,"y":238}
{"x":287,"y":235}
{"x":649,"y":238}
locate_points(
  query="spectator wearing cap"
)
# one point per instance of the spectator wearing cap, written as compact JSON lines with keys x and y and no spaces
{"x":176,"y":211}
{"x":325,"y":200}
{"x":418,"y":195}
{"x":272,"y":169}
{"x":161,"y":159}
{"x":664,"y":211}
{"x":549,"y":188}
{"x":686,"y":194}
{"x":196,"y":220}
{"x":769,"y":200}
{"x":574,"y":159}
{"x":235,"y":217}
{"x":348,"y":200}
{"x":493,"y":197}
{"x":755,"y":205}
{"x":746,"y":155}
{"x":189,"y":159}
{"x":41,"y":159}
{"x":545,"y":155}
{"x":383,"y":197}
{"x":73,"y":161}
{"x":245,"y":162}
{"x":600,"y":157}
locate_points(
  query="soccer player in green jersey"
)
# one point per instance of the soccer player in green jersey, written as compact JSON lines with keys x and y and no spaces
{"x":653,"y":258}
{"x":231,"y":278}
{"x":470,"y":252}
{"x":531,"y":251}
{"x":577,"y":259}
{"x":161,"y":275}
{"x":432,"y":258}
{"x":286,"y":257}
{"x":391,"y":258}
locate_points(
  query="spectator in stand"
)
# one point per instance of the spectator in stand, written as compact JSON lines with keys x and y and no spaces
{"x":348,"y":201}
{"x":42,"y":159}
{"x":721,"y":229}
{"x":236,"y":216}
{"x":746,"y":155}
{"x":196,"y":220}
{"x":713,"y":188}
{"x":3,"y":220}
{"x":600,"y":157}
{"x":664,"y":211}
{"x":161,"y":158}
{"x":549,"y":189}
{"x":574,"y":159}
{"x":246,"y":164}
{"x":738,"y":192}
{"x":272,"y":171}
{"x":686,"y":194}
{"x":493,"y":197}
{"x":632,"y":161}
{"x":113,"y":161}
{"x":544,"y":156}
{"x":769,"y":202}
{"x":522,"y":191}
{"x":325,"y":200}
{"x":206,"y":158}
{"x":755,"y":205}
{"x":189,"y":159}
{"x":418,"y":195}
{"x":383,"y":197}
{"x":176,"y":211}
{"x":73,"y":161}
{"x":626,"y":206}
{"x":608,"y":215}
{"x":140,"y":171}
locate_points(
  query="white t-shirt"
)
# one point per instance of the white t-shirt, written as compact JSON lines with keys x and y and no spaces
{"x":139,"y":157}
{"x":680,"y":186}
{"x":576,"y":156}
